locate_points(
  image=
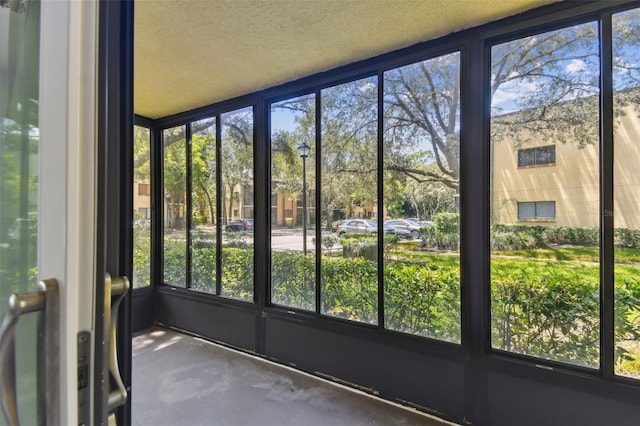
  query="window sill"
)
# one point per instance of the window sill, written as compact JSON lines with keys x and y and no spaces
{"x":535,"y":166}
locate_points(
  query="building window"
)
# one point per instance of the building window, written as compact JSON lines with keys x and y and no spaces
{"x":144,"y":189}
{"x":537,"y":156}
{"x":538,"y":210}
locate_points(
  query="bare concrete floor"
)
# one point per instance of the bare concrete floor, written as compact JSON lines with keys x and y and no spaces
{"x":180,"y":380}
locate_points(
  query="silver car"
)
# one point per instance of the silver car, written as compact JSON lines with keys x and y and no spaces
{"x":413,"y":228}
{"x":357,"y":226}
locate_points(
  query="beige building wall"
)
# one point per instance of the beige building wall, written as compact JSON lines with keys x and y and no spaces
{"x":572,"y":182}
{"x":142,"y":198}
{"x":286,"y":208}
{"x":626,"y":171}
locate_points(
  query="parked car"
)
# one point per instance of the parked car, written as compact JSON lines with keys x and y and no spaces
{"x":239,"y":225}
{"x":357,"y":226}
{"x":367,"y":226}
{"x":248,"y":224}
{"x":421,"y":223}
{"x":413,"y":228}
{"x":392,"y":230}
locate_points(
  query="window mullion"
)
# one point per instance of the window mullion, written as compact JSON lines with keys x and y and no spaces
{"x":380,"y":197}
{"x":188,"y":202}
{"x":607,"y":334}
{"x":318,"y":195}
{"x":219,"y":206}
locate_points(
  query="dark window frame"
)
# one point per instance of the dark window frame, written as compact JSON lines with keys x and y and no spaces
{"x":187,"y":120}
{"x":378,"y":71}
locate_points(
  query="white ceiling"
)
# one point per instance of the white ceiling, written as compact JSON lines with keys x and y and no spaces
{"x":192,"y":53}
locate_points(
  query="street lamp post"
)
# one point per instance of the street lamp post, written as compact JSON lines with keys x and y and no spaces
{"x":303,"y":151}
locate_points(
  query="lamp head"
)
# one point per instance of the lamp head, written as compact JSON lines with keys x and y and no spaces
{"x":303,"y":150}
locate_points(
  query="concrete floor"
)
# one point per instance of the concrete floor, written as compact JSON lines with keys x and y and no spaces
{"x":180,"y":380}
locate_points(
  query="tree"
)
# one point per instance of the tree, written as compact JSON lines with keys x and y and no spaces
{"x":554,"y":81}
{"x":175,"y":173}
{"x":293,"y":125}
{"x":203,"y":172}
{"x":429,"y":198}
{"x":236,"y":164}
{"x":349,"y":146}
{"x":421,"y":104}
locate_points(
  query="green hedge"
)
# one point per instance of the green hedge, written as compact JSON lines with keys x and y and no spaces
{"x":423,"y":299}
{"x":526,"y":237}
{"x":547,"y":312}
{"x":544,"y":309}
{"x":293,"y":280}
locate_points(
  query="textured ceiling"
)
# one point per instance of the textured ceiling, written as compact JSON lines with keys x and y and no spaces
{"x":191,"y":53}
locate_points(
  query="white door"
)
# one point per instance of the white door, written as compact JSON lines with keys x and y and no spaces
{"x":48,"y":203}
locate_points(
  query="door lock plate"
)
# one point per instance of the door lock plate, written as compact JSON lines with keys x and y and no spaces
{"x":84,"y":378}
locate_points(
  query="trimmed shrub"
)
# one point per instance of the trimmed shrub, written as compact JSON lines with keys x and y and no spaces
{"x":350,"y":288}
{"x":562,"y":235}
{"x":293,"y":280}
{"x":422,"y":299}
{"x":536,"y":232}
{"x":447,"y":223}
{"x":551,"y":314}
{"x":328,"y":242}
{"x":237,"y":273}
{"x":627,"y":238}
{"x":512,"y":241}
{"x":578,"y":236}
{"x":445,"y":234}
{"x":203,"y":267}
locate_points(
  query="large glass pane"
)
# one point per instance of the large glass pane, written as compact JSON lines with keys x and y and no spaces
{"x":175,"y":192}
{"x":421,"y":187}
{"x":526,"y":211}
{"x":349,"y":193}
{"x":203,"y":205}
{"x":19,"y":139}
{"x":546,"y":155}
{"x":141,"y":207}
{"x":236,"y":166}
{"x":293,"y":180}
{"x":626,"y":214}
{"x":545,"y":275}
